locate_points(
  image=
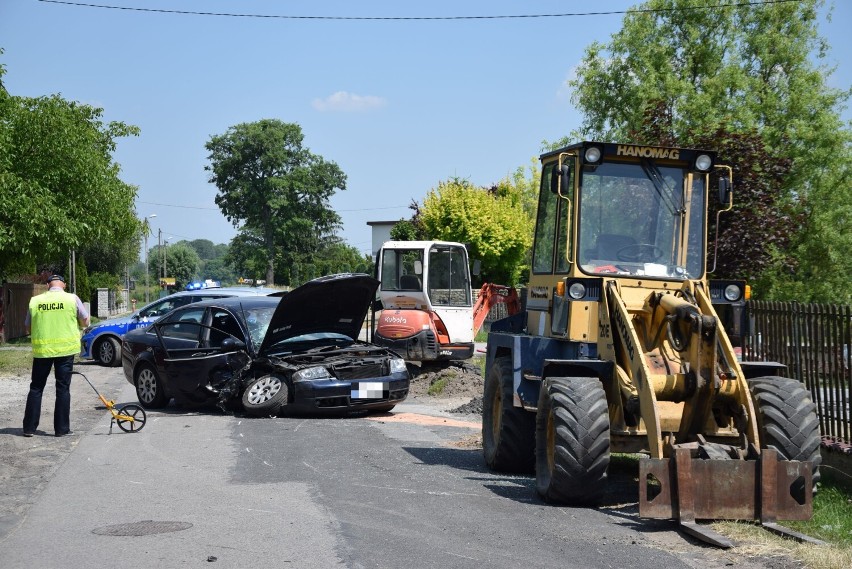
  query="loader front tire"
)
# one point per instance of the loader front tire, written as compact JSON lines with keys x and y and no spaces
{"x":787,"y":420}
{"x":572,"y":440}
{"x":508,"y":432}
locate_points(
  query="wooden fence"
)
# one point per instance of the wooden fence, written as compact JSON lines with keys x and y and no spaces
{"x":813,"y":341}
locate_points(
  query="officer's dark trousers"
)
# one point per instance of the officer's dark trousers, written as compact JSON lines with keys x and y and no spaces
{"x":62,"y":368}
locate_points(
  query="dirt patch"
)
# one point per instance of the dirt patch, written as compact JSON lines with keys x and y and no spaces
{"x":454,"y":382}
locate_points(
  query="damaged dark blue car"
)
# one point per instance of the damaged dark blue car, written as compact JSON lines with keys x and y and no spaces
{"x":269,"y":355}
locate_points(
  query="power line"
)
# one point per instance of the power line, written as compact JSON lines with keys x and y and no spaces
{"x":423,"y":18}
{"x":217,"y":209}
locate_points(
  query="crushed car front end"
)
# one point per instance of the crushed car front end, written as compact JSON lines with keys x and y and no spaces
{"x":339,"y":379}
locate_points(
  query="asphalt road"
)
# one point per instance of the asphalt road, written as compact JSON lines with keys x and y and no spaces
{"x":401,"y":490}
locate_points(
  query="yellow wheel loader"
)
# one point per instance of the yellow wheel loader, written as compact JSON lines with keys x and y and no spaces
{"x":619,"y":349}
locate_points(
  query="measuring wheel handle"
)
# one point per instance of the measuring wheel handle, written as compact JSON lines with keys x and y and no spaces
{"x":131,"y":418}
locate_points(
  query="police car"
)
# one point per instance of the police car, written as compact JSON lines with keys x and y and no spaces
{"x":102,"y":341}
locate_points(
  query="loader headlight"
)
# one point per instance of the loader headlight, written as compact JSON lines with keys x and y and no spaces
{"x":592,"y":155}
{"x":311,"y":374}
{"x":703,"y":162}
{"x":577,"y":291}
{"x":733,"y":292}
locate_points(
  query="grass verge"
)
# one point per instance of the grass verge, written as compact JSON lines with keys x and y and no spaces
{"x":15,"y":362}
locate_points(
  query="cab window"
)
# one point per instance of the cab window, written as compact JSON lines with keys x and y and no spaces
{"x":551,"y":251}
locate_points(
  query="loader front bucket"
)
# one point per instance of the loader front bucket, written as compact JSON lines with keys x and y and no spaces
{"x":688,"y":489}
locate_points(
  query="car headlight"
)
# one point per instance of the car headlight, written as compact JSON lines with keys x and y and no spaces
{"x":397,"y":365}
{"x":311,"y":374}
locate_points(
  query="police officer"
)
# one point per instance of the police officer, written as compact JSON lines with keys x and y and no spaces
{"x":54,"y":318}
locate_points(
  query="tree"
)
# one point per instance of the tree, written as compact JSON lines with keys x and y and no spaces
{"x":59,"y":188}
{"x":275,"y":187}
{"x":205,"y":248}
{"x":218,"y":270}
{"x":675,"y":74}
{"x":182,"y":263}
{"x":486,"y":220}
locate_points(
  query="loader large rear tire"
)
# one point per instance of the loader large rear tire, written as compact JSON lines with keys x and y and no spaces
{"x":572,"y":440}
{"x":508,"y":432}
{"x":787,"y":420}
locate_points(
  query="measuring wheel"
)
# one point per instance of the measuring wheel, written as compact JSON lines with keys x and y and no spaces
{"x":135,"y":422}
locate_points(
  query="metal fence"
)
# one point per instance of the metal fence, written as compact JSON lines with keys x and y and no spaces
{"x":813,"y":341}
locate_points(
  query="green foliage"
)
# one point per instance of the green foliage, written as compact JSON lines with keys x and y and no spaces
{"x":205,"y":249}
{"x":488,"y":221}
{"x":182,"y":263}
{"x":755,"y":234}
{"x":84,"y":287}
{"x":274,"y":188}
{"x":407,"y":230}
{"x":105,"y":280}
{"x":832,"y":519}
{"x":690,"y":77}
{"x":59,"y":188}
{"x":218,"y":270}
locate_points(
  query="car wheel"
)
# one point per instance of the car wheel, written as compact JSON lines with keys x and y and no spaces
{"x":149,"y":388}
{"x":265,"y":395}
{"x":108,"y":352}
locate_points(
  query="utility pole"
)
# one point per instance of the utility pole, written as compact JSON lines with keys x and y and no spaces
{"x":161,"y":272}
{"x":146,"y":228}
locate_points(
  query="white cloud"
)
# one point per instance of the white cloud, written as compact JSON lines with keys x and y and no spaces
{"x":348,"y":103}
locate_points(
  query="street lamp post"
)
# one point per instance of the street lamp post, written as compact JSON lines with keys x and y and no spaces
{"x":147,"y":229}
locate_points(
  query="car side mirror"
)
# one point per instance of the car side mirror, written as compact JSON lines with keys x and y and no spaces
{"x":477,"y":267}
{"x":232,"y":345}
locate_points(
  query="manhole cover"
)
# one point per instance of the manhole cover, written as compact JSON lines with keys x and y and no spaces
{"x":145,"y":527}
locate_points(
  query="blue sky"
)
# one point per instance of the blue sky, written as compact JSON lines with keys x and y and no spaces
{"x":398,"y":105}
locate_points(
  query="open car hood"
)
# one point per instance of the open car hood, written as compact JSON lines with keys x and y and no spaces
{"x":336,"y":303}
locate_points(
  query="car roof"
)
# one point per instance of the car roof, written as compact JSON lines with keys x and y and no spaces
{"x":225,"y":291}
{"x":236,"y":302}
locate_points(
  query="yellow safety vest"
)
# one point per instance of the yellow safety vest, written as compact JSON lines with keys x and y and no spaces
{"x":53,"y":322}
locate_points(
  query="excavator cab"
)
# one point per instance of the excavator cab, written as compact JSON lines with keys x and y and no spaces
{"x":426,"y":300}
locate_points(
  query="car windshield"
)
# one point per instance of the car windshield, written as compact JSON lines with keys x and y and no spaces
{"x":257,"y":321}
{"x":657,"y":230}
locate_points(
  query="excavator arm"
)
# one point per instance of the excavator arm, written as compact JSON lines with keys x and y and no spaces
{"x":491,"y":295}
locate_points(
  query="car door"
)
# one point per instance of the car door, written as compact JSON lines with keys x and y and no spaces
{"x":194,"y":366}
{"x":184,"y":357}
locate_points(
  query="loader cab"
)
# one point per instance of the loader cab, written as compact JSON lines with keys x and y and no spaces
{"x":632,"y":213}
{"x":623,"y":210}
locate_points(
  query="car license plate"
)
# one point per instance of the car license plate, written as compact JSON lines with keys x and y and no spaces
{"x":369,"y":390}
